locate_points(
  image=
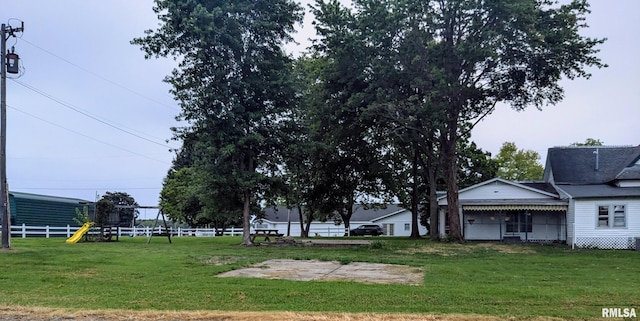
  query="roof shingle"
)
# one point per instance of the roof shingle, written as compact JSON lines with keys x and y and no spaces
{"x":589,"y":165}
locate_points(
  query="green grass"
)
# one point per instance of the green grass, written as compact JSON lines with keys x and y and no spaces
{"x":489,"y":279}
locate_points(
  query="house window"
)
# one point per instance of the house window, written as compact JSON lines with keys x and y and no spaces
{"x":518,"y":222}
{"x":407,"y":226}
{"x":603,"y":216}
{"x":614,"y":216}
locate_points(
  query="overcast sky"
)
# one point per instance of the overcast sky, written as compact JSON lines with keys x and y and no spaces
{"x":88,"y":114}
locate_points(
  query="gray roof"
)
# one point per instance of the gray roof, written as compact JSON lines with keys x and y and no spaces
{"x":591,"y":165}
{"x":49,"y":198}
{"x":360,"y":213}
{"x":600,"y":191}
{"x":541,"y":186}
{"x":632,"y":172}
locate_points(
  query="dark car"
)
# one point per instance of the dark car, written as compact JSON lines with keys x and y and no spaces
{"x":367,"y":229}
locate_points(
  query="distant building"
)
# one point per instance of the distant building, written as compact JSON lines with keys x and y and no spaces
{"x":394,"y":220}
{"x":42,"y":210}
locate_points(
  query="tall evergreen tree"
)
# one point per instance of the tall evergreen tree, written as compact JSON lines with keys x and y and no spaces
{"x":233,"y":87}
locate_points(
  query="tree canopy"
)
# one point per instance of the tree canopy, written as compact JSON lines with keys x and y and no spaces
{"x":116,"y":208}
{"x":518,"y":164}
{"x":436,"y":65}
{"x":233,"y":86}
{"x":382,"y":106}
{"x":589,"y":142}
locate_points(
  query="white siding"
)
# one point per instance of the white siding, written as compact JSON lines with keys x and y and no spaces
{"x":399,"y":221}
{"x":316,"y":229}
{"x":490,"y":225}
{"x":589,"y":235}
{"x":497,"y":190}
{"x":483,"y":227}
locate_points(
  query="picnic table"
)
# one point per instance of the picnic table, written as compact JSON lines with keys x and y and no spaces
{"x":267,"y":234}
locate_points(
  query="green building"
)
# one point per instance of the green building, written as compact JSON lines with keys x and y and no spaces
{"x":42,"y":210}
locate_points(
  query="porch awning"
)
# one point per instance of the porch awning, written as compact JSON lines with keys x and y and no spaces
{"x":514,"y":207}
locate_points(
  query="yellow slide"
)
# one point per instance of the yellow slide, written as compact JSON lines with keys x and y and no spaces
{"x":79,"y":233}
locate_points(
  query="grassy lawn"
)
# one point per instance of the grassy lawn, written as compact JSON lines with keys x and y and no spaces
{"x":475,"y":278}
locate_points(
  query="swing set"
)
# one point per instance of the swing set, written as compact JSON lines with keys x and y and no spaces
{"x":166,"y":232}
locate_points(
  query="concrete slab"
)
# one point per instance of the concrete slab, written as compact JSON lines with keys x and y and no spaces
{"x":301,"y":270}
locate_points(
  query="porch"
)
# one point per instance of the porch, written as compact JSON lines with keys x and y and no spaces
{"x":515,"y":223}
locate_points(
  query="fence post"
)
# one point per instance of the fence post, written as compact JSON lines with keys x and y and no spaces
{"x":68,"y":230}
{"x":46,"y":232}
{"x":24,"y":231}
{"x":179,"y":231}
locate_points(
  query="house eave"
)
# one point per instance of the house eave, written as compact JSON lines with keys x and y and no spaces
{"x":504,"y":181}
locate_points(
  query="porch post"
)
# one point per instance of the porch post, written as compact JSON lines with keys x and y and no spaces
{"x":526,"y":226}
{"x":500,"y":220}
{"x":461,"y":218}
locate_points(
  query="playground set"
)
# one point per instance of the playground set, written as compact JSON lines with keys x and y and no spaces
{"x":109,"y":231}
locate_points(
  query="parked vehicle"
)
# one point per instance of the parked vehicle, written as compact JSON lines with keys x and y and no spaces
{"x":367,"y":229}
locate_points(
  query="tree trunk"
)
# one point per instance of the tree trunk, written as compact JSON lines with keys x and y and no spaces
{"x":434,"y":226}
{"x":303,"y":232}
{"x":246,"y":219}
{"x":451,"y":179}
{"x":288,"y":222}
{"x":415,"y":197}
{"x":246,"y":208}
{"x":432,"y":169}
{"x":346,"y":217}
{"x":308,"y":225}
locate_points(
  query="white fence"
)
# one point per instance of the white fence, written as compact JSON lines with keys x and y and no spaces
{"x":24,"y":231}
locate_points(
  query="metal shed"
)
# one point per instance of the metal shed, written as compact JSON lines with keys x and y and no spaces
{"x":42,"y":210}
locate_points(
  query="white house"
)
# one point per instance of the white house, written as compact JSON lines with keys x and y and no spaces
{"x":602,"y":186}
{"x":394,"y":220}
{"x":589,"y":197}
{"x":499,"y":209}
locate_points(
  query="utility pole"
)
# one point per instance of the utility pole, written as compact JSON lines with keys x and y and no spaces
{"x":7,"y":31}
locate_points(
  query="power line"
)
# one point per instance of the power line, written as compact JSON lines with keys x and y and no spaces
{"x":87,"y":114}
{"x":100,"y":76}
{"x":86,"y":136}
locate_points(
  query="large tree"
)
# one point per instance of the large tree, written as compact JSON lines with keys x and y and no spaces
{"x":458,"y":57}
{"x":232,"y":85}
{"x":342,"y":166}
{"x":518,"y":164}
{"x":116,"y":208}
